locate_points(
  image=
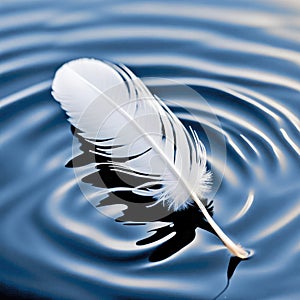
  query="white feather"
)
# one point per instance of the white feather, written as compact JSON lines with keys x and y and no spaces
{"x":113,"y":108}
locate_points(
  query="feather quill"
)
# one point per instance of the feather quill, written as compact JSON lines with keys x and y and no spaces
{"x":114,"y":109}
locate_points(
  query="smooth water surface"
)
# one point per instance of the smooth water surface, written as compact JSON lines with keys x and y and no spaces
{"x":243,"y":57}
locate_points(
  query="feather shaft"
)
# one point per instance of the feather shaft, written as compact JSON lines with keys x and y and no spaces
{"x":235,"y":249}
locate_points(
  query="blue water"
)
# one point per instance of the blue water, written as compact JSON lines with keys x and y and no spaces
{"x":243,"y":57}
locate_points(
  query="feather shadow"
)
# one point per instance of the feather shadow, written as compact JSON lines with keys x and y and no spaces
{"x":183,"y":222}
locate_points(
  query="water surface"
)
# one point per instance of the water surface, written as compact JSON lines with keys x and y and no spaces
{"x":243,"y":57}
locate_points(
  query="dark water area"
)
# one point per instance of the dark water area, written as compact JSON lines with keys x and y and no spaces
{"x":243,"y":58}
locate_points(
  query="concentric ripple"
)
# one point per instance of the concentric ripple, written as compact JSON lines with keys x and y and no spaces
{"x":243,"y":58}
